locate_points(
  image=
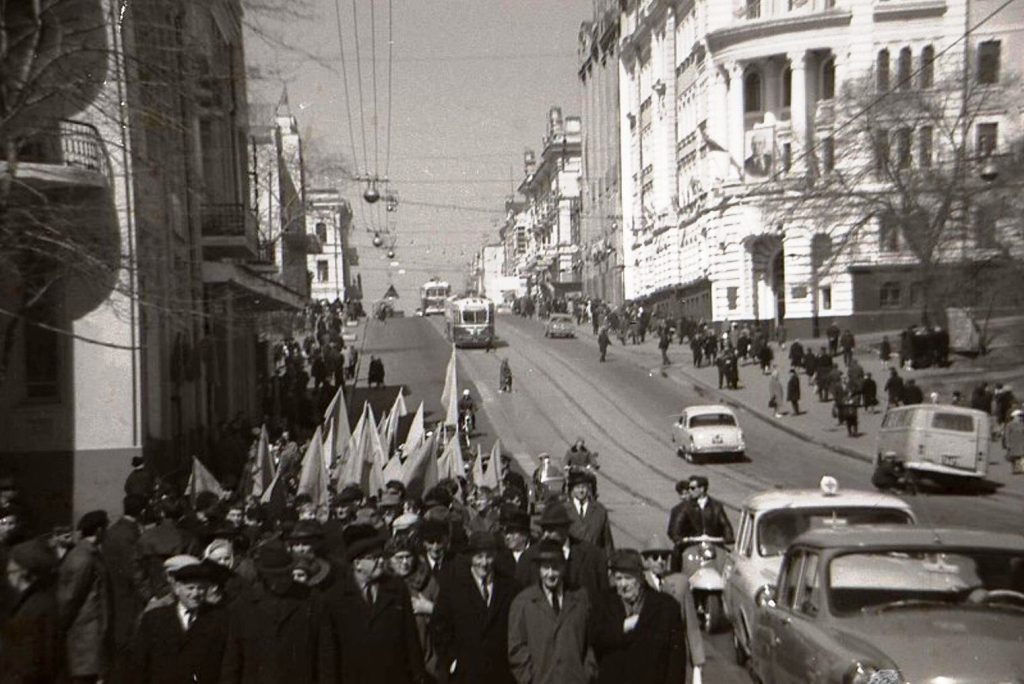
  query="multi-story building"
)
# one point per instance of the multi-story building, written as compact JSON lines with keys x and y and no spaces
{"x":736,"y":112}
{"x":551,"y":190}
{"x":514,"y":236}
{"x":135,"y":335}
{"x":329,"y":218}
{"x":600,"y":195}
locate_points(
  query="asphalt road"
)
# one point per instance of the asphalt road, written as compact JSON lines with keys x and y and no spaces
{"x":625,"y":412}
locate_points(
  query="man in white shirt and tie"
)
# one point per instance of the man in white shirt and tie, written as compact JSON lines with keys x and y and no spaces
{"x":589,"y":517}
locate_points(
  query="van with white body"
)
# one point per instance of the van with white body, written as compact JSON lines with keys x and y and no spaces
{"x":937,"y":441}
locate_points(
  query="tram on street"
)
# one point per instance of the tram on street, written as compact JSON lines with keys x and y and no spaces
{"x":469,"y":321}
{"x":433,"y":295}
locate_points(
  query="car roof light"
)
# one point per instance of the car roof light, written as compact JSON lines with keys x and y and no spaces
{"x":829,"y":486}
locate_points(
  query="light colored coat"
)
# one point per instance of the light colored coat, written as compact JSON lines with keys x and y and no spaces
{"x":545,"y":647}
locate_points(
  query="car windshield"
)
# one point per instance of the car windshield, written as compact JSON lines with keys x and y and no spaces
{"x":474,"y":316}
{"x":561,"y":318}
{"x":777,"y":529}
{"x":712,"y":420}
{"x":915,"y":579}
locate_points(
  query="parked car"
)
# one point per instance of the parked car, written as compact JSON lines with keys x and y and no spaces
{"x":560,"y":325}
{"x":770,"y":521}
{"x":709,"y":430}
{"x":894,"y":604}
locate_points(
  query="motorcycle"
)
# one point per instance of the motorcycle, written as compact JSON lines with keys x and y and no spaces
{"x":467,"y":424}
{"x":703,"y":559}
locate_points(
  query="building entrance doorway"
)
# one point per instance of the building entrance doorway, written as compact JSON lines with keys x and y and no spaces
{"x":767,"y":278}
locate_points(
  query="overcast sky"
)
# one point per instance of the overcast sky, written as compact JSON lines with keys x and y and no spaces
{"x":472,"y":83}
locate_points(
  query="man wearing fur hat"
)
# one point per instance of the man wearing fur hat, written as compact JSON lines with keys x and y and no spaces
{"x":589,"y":517}
{"x":183,"y":641}
{"x":373,"y":635}
{"x":637,"y":633}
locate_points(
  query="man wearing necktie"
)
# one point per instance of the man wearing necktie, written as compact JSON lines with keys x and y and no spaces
{"x":548,"y":625}
{"x":183,"y":641}
{"x":589,"y":517}
{"x":470,"y":621}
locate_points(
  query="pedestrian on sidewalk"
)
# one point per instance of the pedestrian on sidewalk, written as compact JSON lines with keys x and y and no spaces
{"x":849,"y":413}
{"x":832,"y":333}
{"x":1013,"y":441}
{"x":793,"y":391}
{"x":603,"y":341}
{"x":711,"y":348}
{"x":847,"y":343}
{"x":697,"y":348}
{"x":775,"y":395}
{"x":885,"y":351}
{"x":893,"y":389}
{"x":869,"y":393}
{"x":912,"y":393}
{"x":663,"y":342}
{"x":505,"y":377}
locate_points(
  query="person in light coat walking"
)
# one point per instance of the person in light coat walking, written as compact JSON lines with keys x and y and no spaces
{"x":776,"y":398}
{"x":548,"y":632}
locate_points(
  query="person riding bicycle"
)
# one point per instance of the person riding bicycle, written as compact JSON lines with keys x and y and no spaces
{"x":466,"y":407}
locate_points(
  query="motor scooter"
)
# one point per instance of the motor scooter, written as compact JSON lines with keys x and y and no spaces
{"x":703,"y":559}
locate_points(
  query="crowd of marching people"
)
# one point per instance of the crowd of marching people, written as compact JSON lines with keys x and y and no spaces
{"x":457,"y":583}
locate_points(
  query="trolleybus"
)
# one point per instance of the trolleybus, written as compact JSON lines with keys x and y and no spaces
{"x":433,"y":296}
{"x":469,"y":321}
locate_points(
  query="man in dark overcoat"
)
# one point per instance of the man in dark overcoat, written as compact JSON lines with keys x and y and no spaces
{"x":30,"y":642}
{"x":603,"y":341}
{"x":793,"y":391}
{"x":84,"y":604}
{"x":470,"y":621}
{"x":637,"y":633}
{"x":373,"y":637}
{"x":119,"y":553}
{"x":182,"y":642}
{"x":276,"y":633}
{"x":589,"y":516}
{"x":585,"y":563}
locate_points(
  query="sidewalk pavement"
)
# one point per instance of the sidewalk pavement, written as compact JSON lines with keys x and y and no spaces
{"x":815,"y":423}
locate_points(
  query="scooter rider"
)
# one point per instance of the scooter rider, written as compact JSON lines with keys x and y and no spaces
{"x":702,"y":515}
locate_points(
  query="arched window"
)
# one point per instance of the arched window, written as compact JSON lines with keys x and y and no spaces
{"x":828,"y":80}
{"x":889,"y":295}
{"x":882,"y":70}
{"x":752,"y":92}
{"x":904,"y":68}
{"x":787,"y":87}
{"x":927,"y":77}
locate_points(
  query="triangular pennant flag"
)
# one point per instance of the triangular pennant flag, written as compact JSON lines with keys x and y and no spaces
{"x":451,"y":463}
{"x":450,"y":394}
{"x":394,"y":469}
{"x":416,"y":431}
{"x":202,"y":480}
{"x":420,"y":471}
{"x":477,"y":471}
{"x":263,"y":466}
{"x":328,"y":447}
{"x":494,"y":474}
{"x":399,"y":408}
{"x":337,"y":415}
{"x":352,"y":462}
{"x":383,"y":431}
{"x":313,"y":477}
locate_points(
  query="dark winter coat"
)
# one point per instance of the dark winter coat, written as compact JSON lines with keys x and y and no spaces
{"x":472,"y":633}
{"x":653,"y":652}
{"x":378,"y":643}
{"x":119,"y":553}
{"x":163,"y":652}
{"x":84,"y":607}
{"x":276,"y":638}
{"x":30,"y":642}
{"x":710,"y":520}
{"x":594,"y":528}
{"x":586,"y":569}
{"x":793,"y":387}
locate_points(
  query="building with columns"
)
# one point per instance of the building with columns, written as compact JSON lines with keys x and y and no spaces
{"x":514,"y":237}
{"x":551,"y":191}
{"x":600,"y":196}
{"x":731,"y":109}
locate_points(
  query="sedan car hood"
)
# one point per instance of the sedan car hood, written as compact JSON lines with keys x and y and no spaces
{"x":961,"y":645}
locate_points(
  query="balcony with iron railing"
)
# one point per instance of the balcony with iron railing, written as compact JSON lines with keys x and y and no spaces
{"x":60,"y":153}
{"x":229,"y":231}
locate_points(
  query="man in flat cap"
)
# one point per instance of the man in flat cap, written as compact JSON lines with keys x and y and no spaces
{"x":373,"y":635}
{"x":183,"y":641}
{"x":589,"y":516}
{"x":84,"y":602}
{"x":32,"y":647}
{"x":275,"y":631}
{"x":470,"y":622}
{"x":637,"y":632}
{"x":586,"y":565}
{"x":548,"y":625}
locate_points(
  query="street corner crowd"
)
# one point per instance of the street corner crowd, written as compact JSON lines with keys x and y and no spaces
{"x":458,"y":583}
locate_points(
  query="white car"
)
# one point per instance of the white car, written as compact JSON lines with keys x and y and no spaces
{"x":710,"y":430}
{"x":770,"y":520}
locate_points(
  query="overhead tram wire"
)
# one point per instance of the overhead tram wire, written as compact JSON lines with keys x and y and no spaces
{"x":373,"y":81}
{"x":391,"y":62}
{"x":362,"y":107}
{"x":348,"y":99}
